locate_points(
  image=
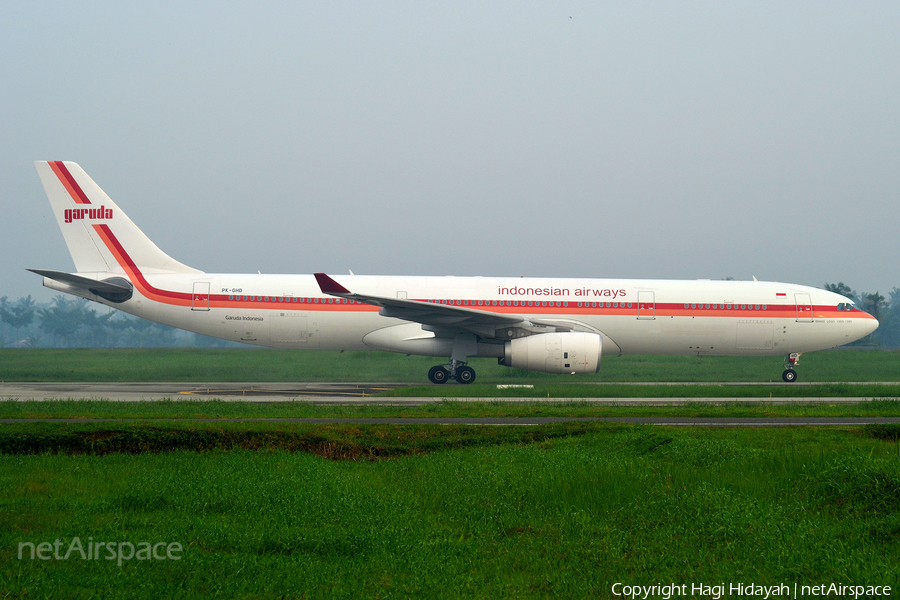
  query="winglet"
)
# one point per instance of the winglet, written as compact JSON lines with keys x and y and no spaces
{"x":329,"y":285}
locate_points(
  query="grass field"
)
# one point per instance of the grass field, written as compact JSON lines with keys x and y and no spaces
{"x":219,"y":409}
{"x":252,"y":365}
{"x":561,"y":515}
{"x":272,"y":510}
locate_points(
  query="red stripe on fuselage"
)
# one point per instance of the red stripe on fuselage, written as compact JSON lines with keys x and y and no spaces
{"x":780,"y":312}
{"x":786,"y":311}
{"x":134,"y":272}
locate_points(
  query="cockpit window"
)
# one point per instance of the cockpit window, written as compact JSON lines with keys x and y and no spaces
{"x":846,"y":306}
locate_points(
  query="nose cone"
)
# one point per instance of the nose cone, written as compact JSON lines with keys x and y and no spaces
{"x":863,"y":325}
{"x":868,"y":325}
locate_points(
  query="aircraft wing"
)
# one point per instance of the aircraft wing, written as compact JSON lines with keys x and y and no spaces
{"x":446,"y":319}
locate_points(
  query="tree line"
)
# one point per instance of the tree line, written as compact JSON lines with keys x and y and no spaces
{"x":67,"y":322}
{"x":886,"y":310}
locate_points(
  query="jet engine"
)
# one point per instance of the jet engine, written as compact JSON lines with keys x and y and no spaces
{"x":567,"y":352}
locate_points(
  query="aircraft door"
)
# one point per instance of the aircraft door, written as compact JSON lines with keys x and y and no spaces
{"x":200,"y":297}
{"x":804,"y":308}
{"x":646,"y":302}
{"x":289,"y":328}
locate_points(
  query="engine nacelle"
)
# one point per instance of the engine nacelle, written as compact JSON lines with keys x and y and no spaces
{"x":568,"y":352}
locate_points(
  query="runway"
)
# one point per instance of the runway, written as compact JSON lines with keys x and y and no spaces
{"x":233,"y":392}
{"x":331,"y":393}
{"x":363,"y":393}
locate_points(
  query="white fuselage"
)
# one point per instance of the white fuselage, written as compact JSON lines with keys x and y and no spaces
{"x":633,"y":316}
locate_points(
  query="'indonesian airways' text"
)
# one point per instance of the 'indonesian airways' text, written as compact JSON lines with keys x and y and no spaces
{"x":554,"y":291}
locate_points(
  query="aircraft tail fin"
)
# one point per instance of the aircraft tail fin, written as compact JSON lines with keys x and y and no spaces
{"x":100,"y":237}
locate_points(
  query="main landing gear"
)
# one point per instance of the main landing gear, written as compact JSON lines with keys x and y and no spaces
{"x":459,"y":371}
{"x":790,"y":375}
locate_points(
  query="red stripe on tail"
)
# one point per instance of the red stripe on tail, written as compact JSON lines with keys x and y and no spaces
{"x":69,"y":182}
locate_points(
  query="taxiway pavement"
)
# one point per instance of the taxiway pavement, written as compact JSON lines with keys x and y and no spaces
{"x":328,"y":393}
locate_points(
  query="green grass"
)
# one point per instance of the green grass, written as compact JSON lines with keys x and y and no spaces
{"x":552,"y":517}
{"x":254,"y":365}
{"x":214,"y":409}
{"x":275,"y":510}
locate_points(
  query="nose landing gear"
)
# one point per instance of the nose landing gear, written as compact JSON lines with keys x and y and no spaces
{"x":790,"y":375}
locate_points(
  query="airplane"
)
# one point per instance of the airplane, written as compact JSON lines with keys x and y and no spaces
{"x":553,"y":325}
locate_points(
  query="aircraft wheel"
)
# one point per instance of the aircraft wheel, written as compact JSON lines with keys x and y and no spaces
{"x":438,"y":374}
{"x":465,"y":374}
{"x":789,"y":376}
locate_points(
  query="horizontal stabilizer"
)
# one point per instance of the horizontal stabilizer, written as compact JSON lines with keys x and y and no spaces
{"x":114,"y":289}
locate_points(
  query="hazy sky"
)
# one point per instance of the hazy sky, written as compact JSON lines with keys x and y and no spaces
{"x":672,"y":139}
